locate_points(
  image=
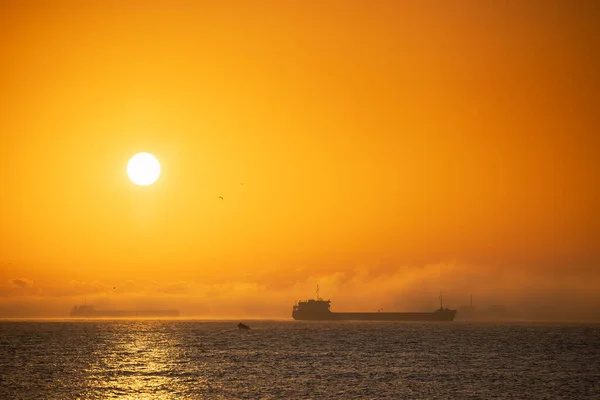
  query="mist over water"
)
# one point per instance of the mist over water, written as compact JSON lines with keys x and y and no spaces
{"x":498,"y":293}
{"x":192,"y":359}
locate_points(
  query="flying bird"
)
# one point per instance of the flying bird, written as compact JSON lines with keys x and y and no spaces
{"x":221,"y":197}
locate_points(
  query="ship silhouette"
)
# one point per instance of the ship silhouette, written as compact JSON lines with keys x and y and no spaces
{"x":319,"y":310}
{"x":88,"y":311}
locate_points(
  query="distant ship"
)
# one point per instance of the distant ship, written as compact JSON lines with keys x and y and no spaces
{"x":87,"y":311}
{"x":318,"y":310}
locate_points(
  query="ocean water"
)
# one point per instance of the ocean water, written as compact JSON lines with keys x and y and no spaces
{"x":298,"y":360}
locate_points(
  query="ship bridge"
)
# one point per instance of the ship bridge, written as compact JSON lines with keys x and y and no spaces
{"x":312,"y":309}
{"x":313,"y":305}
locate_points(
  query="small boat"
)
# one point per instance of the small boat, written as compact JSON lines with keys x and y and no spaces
{"x":243,"y":326}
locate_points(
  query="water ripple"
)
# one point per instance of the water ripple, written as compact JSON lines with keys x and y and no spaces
{"x":213,"y":360}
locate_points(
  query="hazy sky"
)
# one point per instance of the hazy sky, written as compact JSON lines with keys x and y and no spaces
{"x":388,"y":150}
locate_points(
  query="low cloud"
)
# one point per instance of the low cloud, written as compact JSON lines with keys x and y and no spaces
{"x":17,"y":287}
{"x":362,"y":288}
{"x":21,"y":282}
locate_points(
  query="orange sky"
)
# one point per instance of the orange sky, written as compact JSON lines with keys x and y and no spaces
{"x":386,"y":148}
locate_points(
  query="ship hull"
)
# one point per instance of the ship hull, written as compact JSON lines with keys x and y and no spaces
{"x":127,"y":314}
{"x":445,"y":315}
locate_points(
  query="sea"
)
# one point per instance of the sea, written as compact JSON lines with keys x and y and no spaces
{"x":192,"y":359}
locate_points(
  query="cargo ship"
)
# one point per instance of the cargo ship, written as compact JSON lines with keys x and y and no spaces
{"x":319,"y":310}
{"x":88,"y":311}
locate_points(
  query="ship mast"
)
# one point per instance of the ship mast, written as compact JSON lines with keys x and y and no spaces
{"x":318,"y":292}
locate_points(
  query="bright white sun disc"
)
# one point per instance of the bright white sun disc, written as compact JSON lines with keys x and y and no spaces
{"x":143,"y":169}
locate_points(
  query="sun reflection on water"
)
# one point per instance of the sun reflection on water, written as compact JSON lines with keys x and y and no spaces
{"x":142,"y":361}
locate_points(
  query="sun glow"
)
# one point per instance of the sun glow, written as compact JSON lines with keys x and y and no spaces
{"x":143,"y":169}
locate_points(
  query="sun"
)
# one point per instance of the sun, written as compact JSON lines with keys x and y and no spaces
{"x":143,"y":169}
